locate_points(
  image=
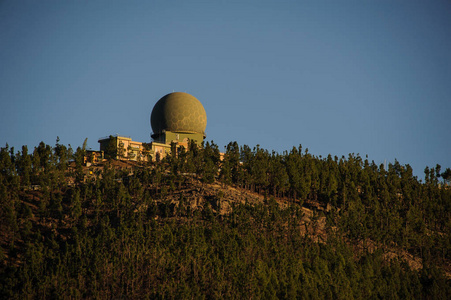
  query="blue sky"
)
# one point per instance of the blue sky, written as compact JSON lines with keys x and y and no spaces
{"x":338,"y":77}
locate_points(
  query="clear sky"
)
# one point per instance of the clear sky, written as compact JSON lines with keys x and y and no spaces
{"x":338,"y":77}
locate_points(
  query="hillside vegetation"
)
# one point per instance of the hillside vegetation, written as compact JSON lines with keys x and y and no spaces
{"x":256,"y":225}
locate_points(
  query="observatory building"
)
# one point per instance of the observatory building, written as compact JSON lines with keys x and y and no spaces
{"x":176,"y":119}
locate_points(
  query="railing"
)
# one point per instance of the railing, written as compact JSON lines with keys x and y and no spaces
{"x":116,"y":136}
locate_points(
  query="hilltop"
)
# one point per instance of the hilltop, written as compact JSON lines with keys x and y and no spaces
{"x":256,"y":224}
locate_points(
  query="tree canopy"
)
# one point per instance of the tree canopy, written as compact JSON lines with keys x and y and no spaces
{"x":169,"y":230}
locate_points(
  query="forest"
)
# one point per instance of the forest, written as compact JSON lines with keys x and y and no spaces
{"x":170,"y":230}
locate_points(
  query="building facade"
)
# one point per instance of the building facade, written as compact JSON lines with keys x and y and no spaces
{"x":122,"y":147}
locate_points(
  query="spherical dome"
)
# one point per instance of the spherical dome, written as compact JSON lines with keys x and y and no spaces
{"x":178,"y":112}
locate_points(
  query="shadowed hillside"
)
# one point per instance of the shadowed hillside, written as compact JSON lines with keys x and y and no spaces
{"x":255,"y":225}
